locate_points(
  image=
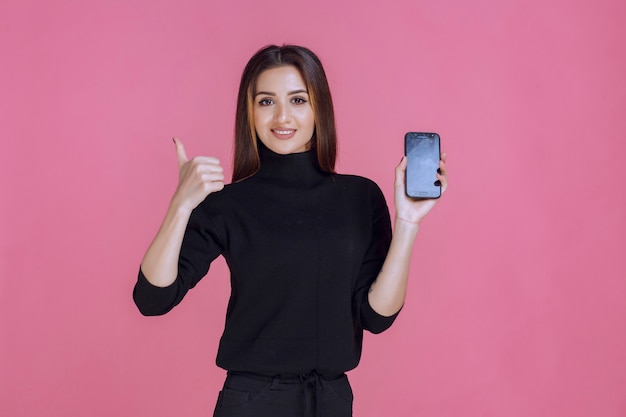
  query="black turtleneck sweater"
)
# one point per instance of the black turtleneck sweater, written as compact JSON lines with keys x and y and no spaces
{"x":303,"y":248}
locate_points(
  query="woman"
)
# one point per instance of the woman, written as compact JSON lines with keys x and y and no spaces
{"x":312,"y":257}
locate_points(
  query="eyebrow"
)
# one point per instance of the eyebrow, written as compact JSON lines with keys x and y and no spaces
{"x":266,"y":93}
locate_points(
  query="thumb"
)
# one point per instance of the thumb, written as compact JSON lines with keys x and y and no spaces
{"x":180,"y":152}
{"x":401,"y":172}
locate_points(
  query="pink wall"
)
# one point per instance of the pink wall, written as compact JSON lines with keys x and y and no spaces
{"x":517,"y":295}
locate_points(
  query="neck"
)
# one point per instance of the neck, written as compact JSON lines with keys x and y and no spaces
{"x":295,"y":169}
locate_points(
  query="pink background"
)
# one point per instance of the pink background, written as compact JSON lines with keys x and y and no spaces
{"x":517,"y":303}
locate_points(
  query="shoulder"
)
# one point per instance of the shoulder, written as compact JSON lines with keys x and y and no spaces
{"x":363,"y":187}
{"x":221,"y":201}
{"x":358,"y":181}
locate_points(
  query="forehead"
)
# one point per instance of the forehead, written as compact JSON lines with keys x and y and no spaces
{"x":280,"y":79}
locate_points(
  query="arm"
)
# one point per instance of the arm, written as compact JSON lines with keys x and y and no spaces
{"x":197,"y":179}
{"x":387,"y":293}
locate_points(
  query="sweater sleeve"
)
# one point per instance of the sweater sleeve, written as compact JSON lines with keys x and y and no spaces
{"x":201,"y":245}
{"x":372,"y":263}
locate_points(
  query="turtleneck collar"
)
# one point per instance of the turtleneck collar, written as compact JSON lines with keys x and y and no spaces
{"x":295,"y":169}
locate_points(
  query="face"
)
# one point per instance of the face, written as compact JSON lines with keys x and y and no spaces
{"x":283,"y":117}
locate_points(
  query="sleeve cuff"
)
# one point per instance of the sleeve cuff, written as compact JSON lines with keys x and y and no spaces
{"x":373,"y":321}
{"x":152,"y":300}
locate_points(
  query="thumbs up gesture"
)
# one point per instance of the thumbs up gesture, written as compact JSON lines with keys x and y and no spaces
{"x":197,"y":178}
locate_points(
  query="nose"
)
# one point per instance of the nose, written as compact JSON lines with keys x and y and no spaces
{"x":283,"y":113}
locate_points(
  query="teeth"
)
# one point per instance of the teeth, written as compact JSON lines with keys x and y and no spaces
{"x":283,"y":132}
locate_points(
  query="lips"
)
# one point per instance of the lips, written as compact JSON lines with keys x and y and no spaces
{"x":283,"y":133}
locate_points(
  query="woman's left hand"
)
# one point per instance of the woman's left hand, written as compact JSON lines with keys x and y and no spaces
{"x":414,"y":210}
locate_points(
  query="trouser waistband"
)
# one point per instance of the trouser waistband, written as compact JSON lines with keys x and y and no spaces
{"x":286,"y":378}
{"x":310,"y":382}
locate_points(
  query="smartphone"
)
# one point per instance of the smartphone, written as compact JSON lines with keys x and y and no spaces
{"x":423,"y":151}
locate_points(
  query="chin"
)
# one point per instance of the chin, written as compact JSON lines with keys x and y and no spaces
{"x":286,"y":148}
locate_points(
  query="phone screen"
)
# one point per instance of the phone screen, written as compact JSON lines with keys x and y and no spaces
{"x":423,"y":154}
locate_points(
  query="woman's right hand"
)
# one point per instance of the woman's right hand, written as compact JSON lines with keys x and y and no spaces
{"x":197,"y":178}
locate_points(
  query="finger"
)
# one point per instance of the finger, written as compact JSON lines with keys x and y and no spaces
{"x":444,"y":156}
{"x":207,"y":160}
{"x":213,"y":186}
{"x":443,"y":180}
{"x":213,"y":177}
{"x":400,"y":171}
{"x":180,"y":153}
{"x":442,"y":167}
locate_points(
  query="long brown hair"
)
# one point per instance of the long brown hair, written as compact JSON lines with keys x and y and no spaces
{"x":324,"y":140}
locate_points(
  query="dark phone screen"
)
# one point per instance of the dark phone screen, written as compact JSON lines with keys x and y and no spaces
{"x":422,"y":151}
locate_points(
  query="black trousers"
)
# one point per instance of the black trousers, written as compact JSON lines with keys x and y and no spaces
{"x":309,"y":395}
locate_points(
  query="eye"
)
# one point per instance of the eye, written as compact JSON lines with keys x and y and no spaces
{"x":265,"y":102}
{"x":298,"y":100}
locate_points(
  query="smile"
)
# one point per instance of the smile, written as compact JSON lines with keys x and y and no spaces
{"x":283,"y":132}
